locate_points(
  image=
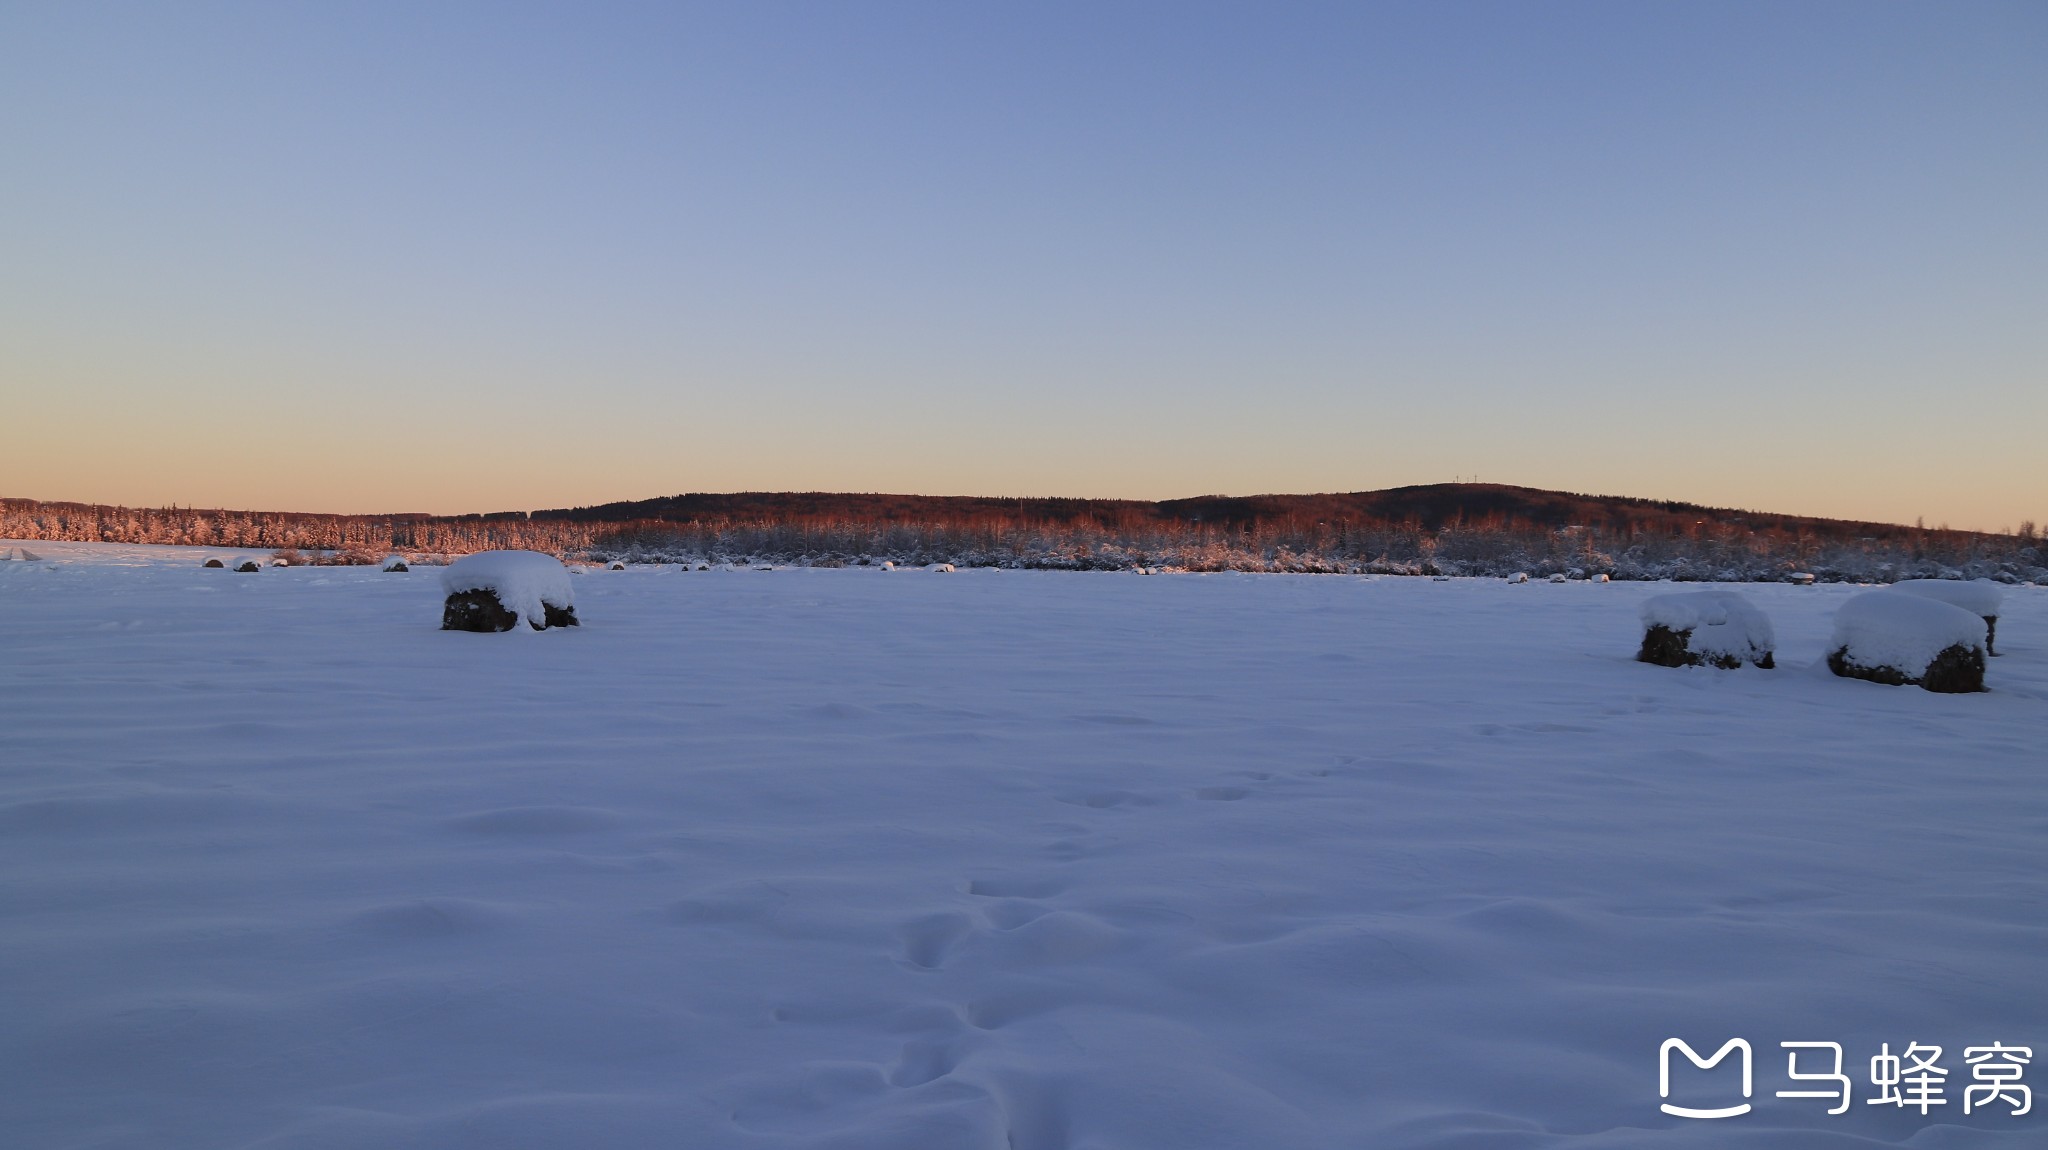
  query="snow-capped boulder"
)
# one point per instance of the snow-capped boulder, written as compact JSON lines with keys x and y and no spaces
{"x":213,"y":563}
{"x":395,"y":563}
{"x":1800,"y":578}
{"x":1902,"y":639}
{"x":1559,"y":578}
{"x":1519,"y":577}
{"x":1980,"y":597}
{"x":1715,"y":628}
{"x":495,"y":590}
{"x":1601,"y":578}
{"x":248,"y":565}
{"x":888,"y":565}
{"x":946,"y":568}
{"x":615,"y":565}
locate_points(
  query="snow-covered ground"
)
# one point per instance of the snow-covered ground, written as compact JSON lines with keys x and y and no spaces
{"x":996,"y":861}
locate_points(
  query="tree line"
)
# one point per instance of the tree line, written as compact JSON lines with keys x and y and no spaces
{"x":1622,"y":539}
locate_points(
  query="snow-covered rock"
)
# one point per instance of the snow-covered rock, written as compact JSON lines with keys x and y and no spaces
{"x":1559,"y":578}
{"x":1901,"y":639}
{"x":495,"y":590}
{"x":1980,"y":597}
{"x":1802,"y":578}
{"x":615,"y":565}
{"x":945,"y":568}
{"x":1519,"y":577}
{"x":213,"y":563}
{"x":1717,"y":628}
{"x":248,"y":565}
{"x":395,"y":563}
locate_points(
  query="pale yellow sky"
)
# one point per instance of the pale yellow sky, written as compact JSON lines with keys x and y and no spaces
{"x":367,"y":258}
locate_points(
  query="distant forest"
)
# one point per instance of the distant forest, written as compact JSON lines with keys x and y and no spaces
{"x":1447,"y":529}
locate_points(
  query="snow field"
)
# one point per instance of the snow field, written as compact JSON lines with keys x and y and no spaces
{"x":1029,"y":861}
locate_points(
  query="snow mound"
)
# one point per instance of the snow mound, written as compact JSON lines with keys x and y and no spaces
{"x":1977,"y":596}
{"x":944,"y":568}
{"x":1903,"y":638}
{"x":395,"y":563}
{"x":1519,"y":577}
{"x":525,"y":582}
{"x":1717,"y":627}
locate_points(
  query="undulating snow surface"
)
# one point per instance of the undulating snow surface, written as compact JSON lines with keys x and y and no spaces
{"x":1905,"y":632}
{"x":523,"y":581}
{"x":1721,"y":622}
{"x":1008,"y":861}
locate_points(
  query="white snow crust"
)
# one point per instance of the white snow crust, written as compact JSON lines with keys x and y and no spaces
{"x":1977,"y":596}
{"x":1902,"y":630}
{"x":522,"y":580}
{"x":1721,"y":622}
{"x":1038,"y":860}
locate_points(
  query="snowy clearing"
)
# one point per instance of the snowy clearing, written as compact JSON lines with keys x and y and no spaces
{"x":1012,"y":860}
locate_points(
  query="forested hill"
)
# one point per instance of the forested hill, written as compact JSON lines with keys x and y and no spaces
{"x":1430,"y":507}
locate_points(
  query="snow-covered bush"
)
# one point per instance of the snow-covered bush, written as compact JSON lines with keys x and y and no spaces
{"x":1717,"y":628}
{"x":495,"y":590}
{"x":1900,"y":638}
{"x":1980,"y":597}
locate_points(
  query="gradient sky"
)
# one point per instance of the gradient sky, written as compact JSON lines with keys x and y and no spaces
{"x":444,"y":257}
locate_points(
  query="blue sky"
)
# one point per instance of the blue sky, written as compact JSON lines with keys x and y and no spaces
{"x":443,"y":257}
